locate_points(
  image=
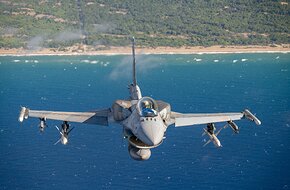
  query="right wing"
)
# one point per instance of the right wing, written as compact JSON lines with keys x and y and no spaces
{"x":99,"y":117}
{"x":180,"y":119}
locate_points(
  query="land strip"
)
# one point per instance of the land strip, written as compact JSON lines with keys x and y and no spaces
{"x":146,"y":50}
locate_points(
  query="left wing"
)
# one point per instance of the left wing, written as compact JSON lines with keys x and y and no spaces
{"x":99,"y":117}
{"x":180,"y":119}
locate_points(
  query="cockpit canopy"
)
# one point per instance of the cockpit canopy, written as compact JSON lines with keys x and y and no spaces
{"x":147,"y":107}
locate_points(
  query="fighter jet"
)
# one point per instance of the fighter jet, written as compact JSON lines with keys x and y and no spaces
{"x":144,"y":120}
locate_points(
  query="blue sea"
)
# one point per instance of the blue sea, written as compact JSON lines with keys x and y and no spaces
{"x":97,"y":157}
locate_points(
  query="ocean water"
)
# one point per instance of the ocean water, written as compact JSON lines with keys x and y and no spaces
{"x":97,"y":157}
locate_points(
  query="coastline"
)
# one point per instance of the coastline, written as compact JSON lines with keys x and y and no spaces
{"x":139,"y":50}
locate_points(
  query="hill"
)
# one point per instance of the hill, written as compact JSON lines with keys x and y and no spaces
{"x":58,"y":24}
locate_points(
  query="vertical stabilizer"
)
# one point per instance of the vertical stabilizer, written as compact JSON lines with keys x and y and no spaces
{"x":135,"y":91}
{"x":134,"y":62}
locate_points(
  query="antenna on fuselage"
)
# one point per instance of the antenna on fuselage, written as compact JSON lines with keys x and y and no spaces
{"x":134,"y":62}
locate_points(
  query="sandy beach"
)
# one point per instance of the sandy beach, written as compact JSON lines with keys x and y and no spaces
{"x":86,"y":50}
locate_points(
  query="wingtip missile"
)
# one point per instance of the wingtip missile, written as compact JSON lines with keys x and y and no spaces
{"x":251,"y":117}
{"x":23,"y":114}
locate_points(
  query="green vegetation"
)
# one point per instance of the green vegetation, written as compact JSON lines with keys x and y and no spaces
{"x":155,"y":23}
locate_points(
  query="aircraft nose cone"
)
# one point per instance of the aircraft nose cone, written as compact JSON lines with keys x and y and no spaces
{"x":151,"y":134}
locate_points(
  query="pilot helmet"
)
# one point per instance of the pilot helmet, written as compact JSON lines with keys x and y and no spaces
{"x":147,"y":104}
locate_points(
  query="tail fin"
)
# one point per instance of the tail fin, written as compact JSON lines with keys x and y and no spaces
{"x":134,"y":62}
{"x":135,"y":91}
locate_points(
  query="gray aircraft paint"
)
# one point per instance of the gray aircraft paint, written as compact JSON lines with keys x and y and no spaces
{"x":144,"y":127}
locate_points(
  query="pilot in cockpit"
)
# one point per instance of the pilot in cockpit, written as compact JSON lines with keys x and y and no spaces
{"x":147,"y":109}
{"x":147,"y":104}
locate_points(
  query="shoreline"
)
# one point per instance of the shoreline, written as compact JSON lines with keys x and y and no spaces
{"x":147,"y":51}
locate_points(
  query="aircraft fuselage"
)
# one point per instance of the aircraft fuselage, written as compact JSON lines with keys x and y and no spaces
{"x":144,"y":125}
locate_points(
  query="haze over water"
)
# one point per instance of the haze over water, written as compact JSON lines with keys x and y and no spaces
{"x":97,"y":157}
